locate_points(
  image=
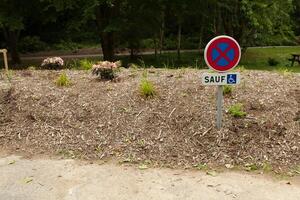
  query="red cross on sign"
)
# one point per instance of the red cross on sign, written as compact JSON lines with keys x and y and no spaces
{"x":222,"y":53}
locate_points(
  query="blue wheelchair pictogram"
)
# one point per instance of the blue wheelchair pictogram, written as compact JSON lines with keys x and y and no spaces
{"x":223,"y":54}
{"x":231,"y":79}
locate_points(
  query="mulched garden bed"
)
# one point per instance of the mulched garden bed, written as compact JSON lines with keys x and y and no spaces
{"x":94,"y":119}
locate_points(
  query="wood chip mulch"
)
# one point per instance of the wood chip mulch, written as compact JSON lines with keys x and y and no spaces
{"x":94,"y":119}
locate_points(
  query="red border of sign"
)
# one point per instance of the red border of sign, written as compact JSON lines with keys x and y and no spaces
{"x":213,"y":43}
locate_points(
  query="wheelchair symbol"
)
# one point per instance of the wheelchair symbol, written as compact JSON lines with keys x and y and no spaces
{"x":231,"y":79}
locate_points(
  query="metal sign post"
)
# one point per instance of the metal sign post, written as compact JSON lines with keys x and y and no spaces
{"x":219,"y":106}
{"x":222,"y":54}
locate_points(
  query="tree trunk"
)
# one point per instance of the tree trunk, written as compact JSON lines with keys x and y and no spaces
{"x":155,"y":46}
{"x":200,"y":44}
{"x":105,"y":14}
{"x":11,"y":38}
{"x":162,"y":32}
{"x":107,"y":44}
{"x":179,"y":41}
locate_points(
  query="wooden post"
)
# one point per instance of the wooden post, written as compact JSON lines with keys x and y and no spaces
{"x":4,"y":51}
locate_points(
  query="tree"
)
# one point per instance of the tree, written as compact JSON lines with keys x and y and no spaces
{"x":12,"y":14}
{"x":296,"y":16}
{"x":14,"y":17}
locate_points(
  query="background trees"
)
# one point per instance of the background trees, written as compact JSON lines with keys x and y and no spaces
{"x":157,"y":24}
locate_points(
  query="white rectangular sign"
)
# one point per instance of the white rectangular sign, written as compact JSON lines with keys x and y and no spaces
{"x":221,"y":78}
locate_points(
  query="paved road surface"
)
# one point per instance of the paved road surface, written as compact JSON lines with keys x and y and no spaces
{"x":22,"y":179}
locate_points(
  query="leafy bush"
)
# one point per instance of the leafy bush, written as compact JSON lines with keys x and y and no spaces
{"x":273,"y":62}
{"x":67,"y":45}
{"x":85,"y":64}
{"x":190,"y":42}
{"x":236,"y":110}
{"x":284,"y":71}
{"x":106,"y":70}
{"x":32,"y":44}
{"x":170,"y":43}
{"x":147,"y":88}
{"x":227,"y":90}
{"x":53,"y":63}
{"x":63,"y":80}
{"x":148,"y":44}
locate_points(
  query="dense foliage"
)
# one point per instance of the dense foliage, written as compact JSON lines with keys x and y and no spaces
{"x":35,"y":25}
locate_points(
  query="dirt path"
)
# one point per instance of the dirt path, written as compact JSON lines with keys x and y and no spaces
{"x":69,"y":180}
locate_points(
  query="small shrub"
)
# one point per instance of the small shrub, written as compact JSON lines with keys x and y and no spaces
{"x":147,"y":88}
{"x":201,"y":166}
{"x":31,"y":44}
{"x":284,"y":71}
{"x":237,"y":110}
{"x":251,"y":167}
{"x":267,"y":167}
{"x":145,"y":74}
{"x":273,"y":62}
{"x":67,"y":46}
{"x":63,"y":80}
{"x":106,"y":70}
{"x":53,"y":63}
{"x":31,"y":68}
{"x":240,"y":68}
{"x":85,"y":64}
{"x":227,"y":90}
{"x":9,"y":75}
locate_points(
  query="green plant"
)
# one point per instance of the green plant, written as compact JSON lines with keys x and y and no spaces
{"x":296,"y":170}
{"x":147,"y":89}
{"x":85,"y":64}
{"x":273,"y":62}
{"x":145,"y":74}
{"x":106,"y":70}
{"x":201,"y":166}
{"x":31,"y":68}
{"x":67,"y":45}
{"x":9,"y":75}
{"x":284,"y":71}
{"x":240,"y":68}
{"x":251,"y":167}
{"x":142,"y":63}
{"x":236,"y":110}
{"x":32,"y":44}
{"x":62,"y":80}
{"x":267,"y":167}
{"x":227,"y":90}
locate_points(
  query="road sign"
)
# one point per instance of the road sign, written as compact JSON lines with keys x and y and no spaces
{"x":222,"y":53}
{"x":221,"y":78}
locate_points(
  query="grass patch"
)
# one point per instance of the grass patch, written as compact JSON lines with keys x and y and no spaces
{"x":284,"y":71}
{"x":85,"y":64}
{"x":147,"y":88}
{"x":236,"y":110}
{"x":227,"y":90}
{"x":201,"y":166}
{"x":267,"y":167}
{"x":252,"y":167}
{"x":255,"y":58}
{"x":63,"y":80}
